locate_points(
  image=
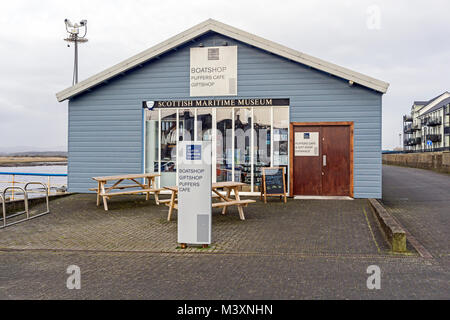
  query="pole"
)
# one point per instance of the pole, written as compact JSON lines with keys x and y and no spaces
{"x":76,"y":59}
{"x":12,"y":190}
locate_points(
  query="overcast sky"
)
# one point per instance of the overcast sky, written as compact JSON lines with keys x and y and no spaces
{"x":407,"y":45}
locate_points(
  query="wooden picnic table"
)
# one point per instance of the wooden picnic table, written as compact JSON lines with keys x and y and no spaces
{"x":149,"y":186}
{"x":225,"y":201}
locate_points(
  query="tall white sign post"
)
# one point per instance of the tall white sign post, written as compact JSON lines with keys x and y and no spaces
{"x":194,"y":193}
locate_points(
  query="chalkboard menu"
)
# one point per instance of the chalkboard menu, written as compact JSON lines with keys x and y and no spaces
{"x":274,"y":183}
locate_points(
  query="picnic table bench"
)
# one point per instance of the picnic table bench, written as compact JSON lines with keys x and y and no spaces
{"x":225,"y":201}
{"x":104,"y":192}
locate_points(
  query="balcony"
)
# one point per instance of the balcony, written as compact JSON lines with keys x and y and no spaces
{"x":447,"y":130}
{"x":433,"y":137}
{"x":407,"y":118}
{"x":412,"y":142}
{"x":416,"y":127}
{"x":434,"y":122}
{"x":407,"y":129}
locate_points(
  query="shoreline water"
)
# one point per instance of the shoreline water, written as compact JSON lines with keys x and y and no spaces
{"x":32,"y":164}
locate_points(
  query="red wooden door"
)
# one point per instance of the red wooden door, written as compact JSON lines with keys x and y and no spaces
{"x":336,"y":161}
{"x":326,"y":172}
{"x":307,"y":170}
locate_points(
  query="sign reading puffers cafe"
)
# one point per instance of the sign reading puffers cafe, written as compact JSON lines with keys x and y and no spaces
{"x":213,"y":71}
{"x":257,"y":102}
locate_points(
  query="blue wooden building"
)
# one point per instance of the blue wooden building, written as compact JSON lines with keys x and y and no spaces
{"x":260,"y":103}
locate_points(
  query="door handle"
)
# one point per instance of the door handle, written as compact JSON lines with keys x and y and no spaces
{"x":324,"y":160}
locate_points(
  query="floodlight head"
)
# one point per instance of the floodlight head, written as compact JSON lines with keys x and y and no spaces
{"x":68,"y":23}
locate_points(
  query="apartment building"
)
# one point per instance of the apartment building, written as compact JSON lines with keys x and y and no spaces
{"x":427,"y":128}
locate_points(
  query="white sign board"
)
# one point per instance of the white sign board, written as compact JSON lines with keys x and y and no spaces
{"x":194,"y":192}
{"x":306,"y":144}
{"x":213,"y":71}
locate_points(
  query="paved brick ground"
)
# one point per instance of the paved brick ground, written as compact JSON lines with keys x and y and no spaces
{"x":420,"y":200}
{"x":133,"y":224}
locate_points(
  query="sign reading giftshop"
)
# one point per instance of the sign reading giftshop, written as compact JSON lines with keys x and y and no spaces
{"x":306,"y":144}
{"x":213,"y":71}
{"x":194,"y":192}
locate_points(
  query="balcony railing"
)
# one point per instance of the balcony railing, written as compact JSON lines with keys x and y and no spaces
{"x":407,"y":118}
{"x":434,"y":122}
{"x":407,"y":129}
{"x":433,"y":137}
{"x":412,"y":142}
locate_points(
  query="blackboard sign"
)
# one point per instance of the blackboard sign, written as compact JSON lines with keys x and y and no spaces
{"x":273,"y":183}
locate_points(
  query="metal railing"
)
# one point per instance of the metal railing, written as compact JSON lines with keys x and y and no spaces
{"x":15,"y":182}
{"x":442,"y":149}
{"x":26,"y":212}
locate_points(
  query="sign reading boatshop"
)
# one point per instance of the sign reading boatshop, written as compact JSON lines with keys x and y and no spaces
{"x":306,"y":144}
{"x":194,"y":192}
{"x":213,"y":71}
{"x":257,"y":102}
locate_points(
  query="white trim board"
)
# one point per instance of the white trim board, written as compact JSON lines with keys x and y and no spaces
{"x":229,"y":31}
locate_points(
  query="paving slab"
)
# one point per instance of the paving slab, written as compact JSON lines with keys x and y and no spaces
{"x":132,"y":224}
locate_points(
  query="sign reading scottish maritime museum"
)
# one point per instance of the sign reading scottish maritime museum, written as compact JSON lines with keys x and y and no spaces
{"x":194,"y":192}
{"x":213,"y":71}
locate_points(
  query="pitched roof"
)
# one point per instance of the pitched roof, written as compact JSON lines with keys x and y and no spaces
{"x":440,"y":105}
{"x":229,"y":31}
{"x":435,"y":103}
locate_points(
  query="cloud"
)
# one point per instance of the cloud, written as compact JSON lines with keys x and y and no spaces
{"x":410,"y":50}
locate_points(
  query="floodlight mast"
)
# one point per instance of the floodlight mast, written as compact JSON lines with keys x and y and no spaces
{"x":74,"y":30}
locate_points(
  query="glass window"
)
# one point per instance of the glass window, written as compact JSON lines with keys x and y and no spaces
{"x":151,"y":141}
{"x":224,"y":146}
{"x":281,"y":139}
{"x":261,"y":150}
{"x":186,"y":125}
{"x":245,"y":137}
{"x":168,"y":147}
{"x":204,"y":125}
{"x":242,"y":146}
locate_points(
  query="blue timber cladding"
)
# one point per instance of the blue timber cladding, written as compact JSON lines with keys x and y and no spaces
{"x":105,"y":124}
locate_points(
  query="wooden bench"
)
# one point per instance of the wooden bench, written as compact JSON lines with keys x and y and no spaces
{"x":141,"y":188}
{"x":242,"y":203}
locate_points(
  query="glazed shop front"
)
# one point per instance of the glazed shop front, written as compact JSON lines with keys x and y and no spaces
{"x":246,"y":135}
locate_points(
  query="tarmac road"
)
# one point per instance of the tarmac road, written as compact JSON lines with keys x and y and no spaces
{"x":420,"y":200}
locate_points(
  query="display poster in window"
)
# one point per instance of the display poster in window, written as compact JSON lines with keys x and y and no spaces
{"x":213,"y":71}
{"x":306,"y":144}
